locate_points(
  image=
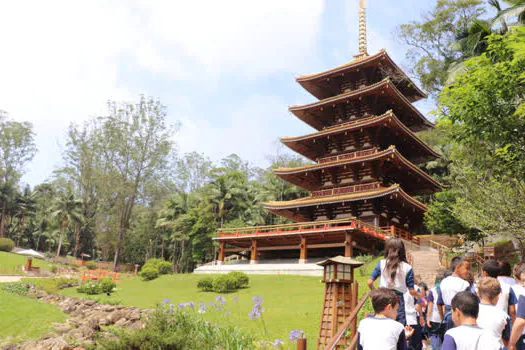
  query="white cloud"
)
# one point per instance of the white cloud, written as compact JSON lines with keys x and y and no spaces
{"x":62,"y":60}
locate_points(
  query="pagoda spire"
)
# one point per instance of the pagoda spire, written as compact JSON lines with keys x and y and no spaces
{"x":362,"y":31}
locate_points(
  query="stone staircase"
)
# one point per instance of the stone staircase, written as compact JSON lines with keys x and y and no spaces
{"x":426,"y":264}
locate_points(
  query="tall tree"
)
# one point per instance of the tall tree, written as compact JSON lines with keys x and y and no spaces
{"x":17,"y":147}
{"x":67,"y":211}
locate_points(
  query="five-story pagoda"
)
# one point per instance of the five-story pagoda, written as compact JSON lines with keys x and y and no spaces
{"x":365,"y":174}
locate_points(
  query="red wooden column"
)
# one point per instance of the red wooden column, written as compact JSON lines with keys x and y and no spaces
{"x":349,"y":251}
{"x":220,"y":260}
{"x":253,"y":256}
{"x":303,"y":257}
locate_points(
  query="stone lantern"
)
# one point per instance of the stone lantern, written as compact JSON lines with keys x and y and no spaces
{"x":340,"y":298}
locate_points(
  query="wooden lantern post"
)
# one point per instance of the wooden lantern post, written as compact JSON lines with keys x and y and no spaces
{"x":340,"y":298}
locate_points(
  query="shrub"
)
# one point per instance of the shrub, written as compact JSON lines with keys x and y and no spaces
{"x":241,"y":279}
{"x":91,"y":265}
{"x":148,"y":273}
{"x":165,"y":267}
{"x":53,"y":269}
{"x":17,"y":288}
{"x":6,"y":244}
{"x":205,"y":284}
{"x":224,"y":283}
{"x":107,"y":286}
{"x":52,"y":285}
{"x":177,"y":330}
{"x":89,"y":288}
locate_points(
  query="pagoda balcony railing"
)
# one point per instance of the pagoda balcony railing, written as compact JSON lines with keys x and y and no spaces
{"x":307,"y":227}
{"x":348,"y":156}
{"x":403,"y":234}
{"x":347,"y":189}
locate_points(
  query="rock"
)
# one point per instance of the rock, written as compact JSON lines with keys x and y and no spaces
{"x":122,"y":322}
{"x":82,"y":333}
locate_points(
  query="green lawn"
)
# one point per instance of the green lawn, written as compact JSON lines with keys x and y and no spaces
{"x":11,"y":263}
{"x":25,"y":318}
{"x":290,"y":302}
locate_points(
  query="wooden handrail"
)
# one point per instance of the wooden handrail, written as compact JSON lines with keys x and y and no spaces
{"x":294,"y":225}
{"x":348,"y":322}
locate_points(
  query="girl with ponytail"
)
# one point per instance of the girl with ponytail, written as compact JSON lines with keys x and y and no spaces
{"x":395,"y":273}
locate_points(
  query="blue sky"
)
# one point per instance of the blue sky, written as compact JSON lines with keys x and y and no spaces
{"x":225,"y":69}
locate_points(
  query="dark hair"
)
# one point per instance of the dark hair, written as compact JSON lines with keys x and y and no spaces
{"x":423,"y":285}
{"x":455,"y":262}
{"x":381,"y":297}
{"x":467,"y":303}
{"x":394,"y":254}
{"x":491,"y":267}
{"x":440,"y":276}
{"x":504,"y":268}
{"x":489,"y":287}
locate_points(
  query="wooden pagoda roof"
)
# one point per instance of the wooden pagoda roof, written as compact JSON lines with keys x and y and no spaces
{"x":423,"y":183}
{"x":394,"y":190}
{"x":320,"y":84}
{"x":315,"y":114}
{"x":306,"y":144}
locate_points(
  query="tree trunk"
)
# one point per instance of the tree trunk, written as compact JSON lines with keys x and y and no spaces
{"x":77,"y":240}
{"x":59,"y":243}
{"x":174,"y":257}
{"x":117,"y":249}
{"x":2,"y":218}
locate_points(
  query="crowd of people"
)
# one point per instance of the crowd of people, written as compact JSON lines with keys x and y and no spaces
{"x":458,"y":312}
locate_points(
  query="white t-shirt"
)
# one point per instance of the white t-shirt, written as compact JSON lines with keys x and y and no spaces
{"x":503,"y":301}
{"x":380,"y":333}
{"x":466,"y":337}
{"x":410,"y":309}
{"x":433,"y":297}
{"x":451,"y":286}
{"x":400,"y":281}
{"x":491,"y":318}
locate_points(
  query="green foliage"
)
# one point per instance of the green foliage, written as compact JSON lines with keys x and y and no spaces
{"x":161,"y":266}
{"x":91,"y":265}
{"x":52,"y":285}
{"x":165,"y":268}
{"x":17,"y":288}
{"x":205,"y":284}
{"x":178,"y":330}
{"x":224,"y":283}
{"x":6,"y":244}
{"x":107,"y":286}
{"x":149,"y":273}
{"x":241,"y":279}
{"x":53,"y":269}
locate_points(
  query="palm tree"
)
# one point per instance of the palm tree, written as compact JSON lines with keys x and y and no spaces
{"x":67,"y":210}
{"x":516,"y":10}
{"x":25,"y":207}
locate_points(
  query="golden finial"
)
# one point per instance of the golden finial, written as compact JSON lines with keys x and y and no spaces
{"x":362,"y":30}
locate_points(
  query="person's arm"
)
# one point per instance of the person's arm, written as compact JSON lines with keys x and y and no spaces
{"x":519,"y":324}
{"x":430,"y":307}
{"x":441,"y":304}
{"x":419,"y":310}
{"x":448,"y":343}
{"x":505,"y":335}
{"x":409,"y":280}
{"x":512,"y":305}
{"x":374,"y":275}
{"x":517,"y":331}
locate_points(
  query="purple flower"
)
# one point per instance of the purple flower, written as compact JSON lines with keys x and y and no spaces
{"x":190,"y":304}
{"x":220,"y":299}
{"x":202,"y":307}
{"x":181,"y":305}
{"x":277,"y":342}
{"x":165,"y":301}
{"x":296,"y":334}
{"x":235,"y":299}
{"x":227,"y":313}
{"x":258,"y":299}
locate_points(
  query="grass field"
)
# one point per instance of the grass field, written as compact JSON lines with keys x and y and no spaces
{"x":25,"y":318}
{"x":290,"y":302}
{"x":11,"y":263}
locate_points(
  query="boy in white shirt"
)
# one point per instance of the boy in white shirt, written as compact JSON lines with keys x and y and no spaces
{"x":491,"y":318}
{"x":452,"y":285}
{"x":435,"y":315}
{"x":382,"y":331}
{"x":466,"y":335}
